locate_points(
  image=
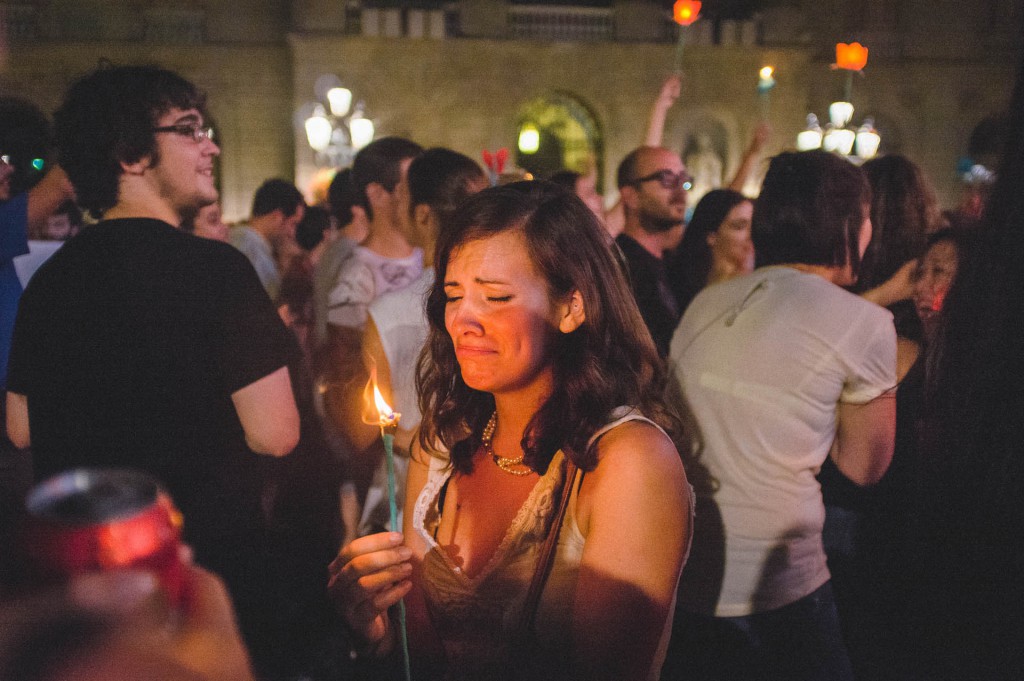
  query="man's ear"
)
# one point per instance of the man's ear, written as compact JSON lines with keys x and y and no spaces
{"x":137,"y":167}
{"x":426,"y":222}
{"x":375,"y":192}
{"x":573,"y":315}
{"x":628,"y":196}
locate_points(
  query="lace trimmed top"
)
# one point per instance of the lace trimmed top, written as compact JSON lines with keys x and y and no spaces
{"x":477,"y":618}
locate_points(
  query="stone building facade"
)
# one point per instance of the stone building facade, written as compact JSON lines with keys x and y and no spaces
{"x":468,"y":74}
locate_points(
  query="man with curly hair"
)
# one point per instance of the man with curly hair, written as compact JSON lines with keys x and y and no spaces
{"x":140,"y":345}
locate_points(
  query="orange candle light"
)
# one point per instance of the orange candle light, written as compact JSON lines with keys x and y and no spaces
{"x":852,"y":57}
{"x":684,"y":13}
{"x":387,"y":418}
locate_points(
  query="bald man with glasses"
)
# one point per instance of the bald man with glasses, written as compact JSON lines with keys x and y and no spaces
{"x":653,"y":185}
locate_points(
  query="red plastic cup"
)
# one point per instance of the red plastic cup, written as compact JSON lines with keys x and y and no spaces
{"x":89,"y":520}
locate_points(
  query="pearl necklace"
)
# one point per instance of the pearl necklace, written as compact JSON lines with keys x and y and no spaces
{"x":505,"y":464}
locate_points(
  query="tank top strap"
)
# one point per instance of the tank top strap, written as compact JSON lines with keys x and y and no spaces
{"x":618,"y":416}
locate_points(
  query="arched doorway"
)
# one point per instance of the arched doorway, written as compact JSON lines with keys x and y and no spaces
{"x":559,"y":132}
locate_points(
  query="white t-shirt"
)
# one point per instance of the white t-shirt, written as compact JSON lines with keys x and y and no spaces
{"x":401,"y":319}
{"x":365,"y":276}
{"x":763,"y":361}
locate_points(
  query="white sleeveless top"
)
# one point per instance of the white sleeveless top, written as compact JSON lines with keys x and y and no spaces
{"x":477,"y":618}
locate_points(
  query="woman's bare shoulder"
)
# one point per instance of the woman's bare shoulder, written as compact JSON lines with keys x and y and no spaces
{"x":637,"y":443}
{"x":637,"y":465}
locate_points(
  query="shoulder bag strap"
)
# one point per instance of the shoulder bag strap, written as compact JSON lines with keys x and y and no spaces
{"x":546,"y":557}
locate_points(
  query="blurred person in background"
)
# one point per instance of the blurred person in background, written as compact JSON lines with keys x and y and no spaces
{"x":207,"y":223}
{"x":716,"y":245}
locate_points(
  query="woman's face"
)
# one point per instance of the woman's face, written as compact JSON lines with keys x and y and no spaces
{"x":934,"y":277}
{"x":732,"y":250}
{"x":500,"y":316}
{"x":209,"y":224}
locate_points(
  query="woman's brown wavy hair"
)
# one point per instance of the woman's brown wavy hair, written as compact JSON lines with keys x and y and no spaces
{"x":610,"y":360}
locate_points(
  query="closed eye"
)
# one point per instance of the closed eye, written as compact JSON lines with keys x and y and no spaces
{"x":499,"y":299}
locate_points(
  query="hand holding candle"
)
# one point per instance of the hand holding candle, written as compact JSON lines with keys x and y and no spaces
{"x":765,"y":83}
{"x":684,"y":13}
{"x":387,"y":419}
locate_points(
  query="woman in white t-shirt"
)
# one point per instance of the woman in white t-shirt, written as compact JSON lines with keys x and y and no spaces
{"x":782,"y":368}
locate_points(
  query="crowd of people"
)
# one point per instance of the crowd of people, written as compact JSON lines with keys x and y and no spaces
{"x":771,"y":437}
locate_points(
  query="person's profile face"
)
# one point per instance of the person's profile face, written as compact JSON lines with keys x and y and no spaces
{"x":183,"y":175}
{"x":399,"y":198}
{"x":934,"y":278}
{"x":500,"y":315}
{"x":290,"y":223}
{"x":660,"y":206}
{"x":403,"y":210}
{"x":732,"y":249}
{"x":209,"y":223}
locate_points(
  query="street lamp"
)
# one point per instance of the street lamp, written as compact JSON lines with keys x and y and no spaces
{"x":335,"y":129}
{"x":856,"y":143}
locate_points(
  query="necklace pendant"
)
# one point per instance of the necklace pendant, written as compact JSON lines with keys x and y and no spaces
{"x":510,"y":466}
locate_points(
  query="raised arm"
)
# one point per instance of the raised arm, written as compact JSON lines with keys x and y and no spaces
{"x":667,"y":96}
{"x":634,"y":512}
{"x":865,"y":438}
{"x":45,"y":198}
{"x":751,"y":157}
{"x":267,"y":411}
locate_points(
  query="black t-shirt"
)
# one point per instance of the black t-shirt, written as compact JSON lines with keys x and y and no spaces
{"x":649,"y":280}
{"x":128,"y":344}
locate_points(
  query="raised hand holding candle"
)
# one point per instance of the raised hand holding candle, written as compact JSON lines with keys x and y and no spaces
{"x":684,"y":13}
{"x":765,"y":83}
{"x":387,"y":419}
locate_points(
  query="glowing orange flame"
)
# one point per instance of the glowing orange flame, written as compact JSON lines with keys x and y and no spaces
{"x":376,"y":410}
{"x":685,"y":12}
{"x":852,"y":57}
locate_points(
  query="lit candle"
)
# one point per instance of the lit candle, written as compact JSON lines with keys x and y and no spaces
{"x":765,"y":83}
{"x":387,"y":419}
{"x":684,"y":13}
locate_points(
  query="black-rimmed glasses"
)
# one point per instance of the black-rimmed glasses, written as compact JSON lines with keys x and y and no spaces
{"x":668,"y":180}
{"x":198,"y":133}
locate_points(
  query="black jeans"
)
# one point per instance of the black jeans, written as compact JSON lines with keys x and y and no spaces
{"x":798,"y":642}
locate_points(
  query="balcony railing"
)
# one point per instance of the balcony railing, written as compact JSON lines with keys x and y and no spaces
{"x":557,"y":23}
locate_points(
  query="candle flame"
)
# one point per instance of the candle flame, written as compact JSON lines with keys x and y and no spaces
{"x":376,"y":410}
{"x":383,"y":408}
{"x":685,"y":12}
{"x":767,"y":72}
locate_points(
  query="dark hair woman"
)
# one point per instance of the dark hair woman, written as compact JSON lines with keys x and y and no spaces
{"x":869,"y":530}
{"x":537,"y":363}
{"x":716,"y":244}
{"x":971,"y":518}
{"x":903,"y":213}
